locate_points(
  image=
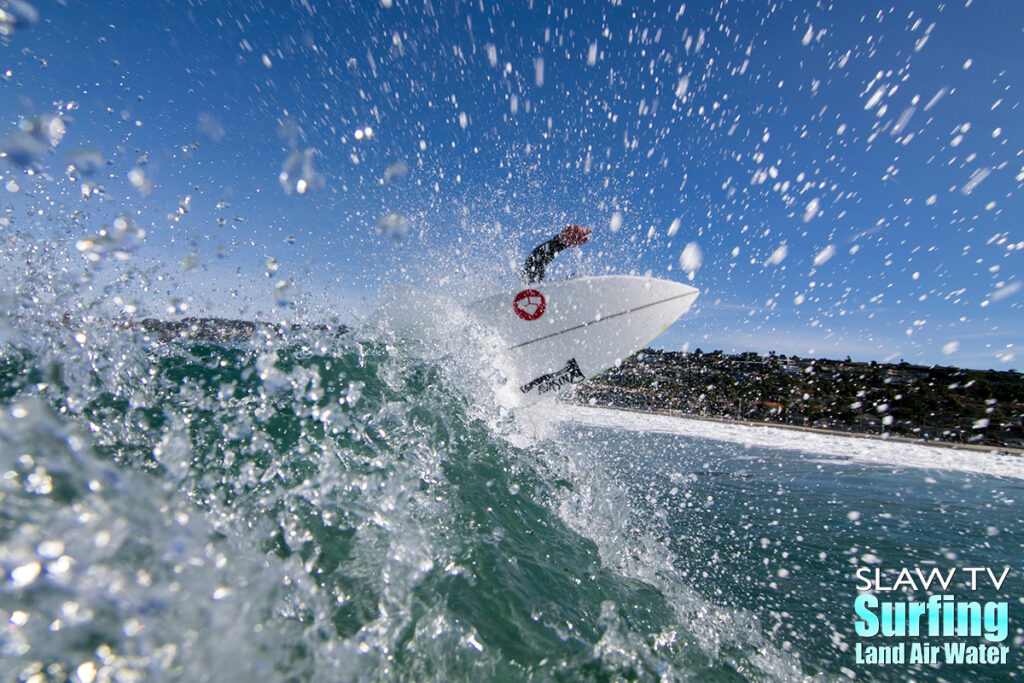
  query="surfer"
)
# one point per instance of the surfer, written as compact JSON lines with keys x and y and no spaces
{"x":539,"y":258}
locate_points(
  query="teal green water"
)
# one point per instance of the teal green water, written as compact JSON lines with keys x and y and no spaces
{"x":322,"y":509}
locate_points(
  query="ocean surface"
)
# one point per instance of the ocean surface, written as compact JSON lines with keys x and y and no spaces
{"x":310,"y":507}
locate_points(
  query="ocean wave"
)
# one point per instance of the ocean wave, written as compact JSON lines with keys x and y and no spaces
{"x":329,"y":507}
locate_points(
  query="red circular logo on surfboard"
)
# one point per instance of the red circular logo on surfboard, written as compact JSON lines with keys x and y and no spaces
{"x":529,"y":304}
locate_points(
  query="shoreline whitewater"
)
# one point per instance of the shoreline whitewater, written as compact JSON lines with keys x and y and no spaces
{"x":666,"y":412}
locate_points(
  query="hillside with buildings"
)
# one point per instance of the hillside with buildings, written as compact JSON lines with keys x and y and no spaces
{"x":921,"y":402}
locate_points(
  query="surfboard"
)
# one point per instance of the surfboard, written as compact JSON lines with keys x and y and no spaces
{"x":560,"y":333}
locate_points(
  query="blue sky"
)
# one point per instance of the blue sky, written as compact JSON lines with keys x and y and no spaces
{"x":850,"y":174}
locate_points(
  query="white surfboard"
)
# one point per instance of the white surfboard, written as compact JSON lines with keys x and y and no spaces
{"x":560,"y":333}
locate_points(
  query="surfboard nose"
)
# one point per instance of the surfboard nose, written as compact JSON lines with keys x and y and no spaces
{"x":669,"y":290}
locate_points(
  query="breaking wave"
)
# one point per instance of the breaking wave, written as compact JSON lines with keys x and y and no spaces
{"x":305,"y":506}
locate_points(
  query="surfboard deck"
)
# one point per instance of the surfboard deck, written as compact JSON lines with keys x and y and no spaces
{"x":560,"y":333}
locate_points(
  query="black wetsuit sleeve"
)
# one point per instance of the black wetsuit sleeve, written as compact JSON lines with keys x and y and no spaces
{"x":539,"y":258}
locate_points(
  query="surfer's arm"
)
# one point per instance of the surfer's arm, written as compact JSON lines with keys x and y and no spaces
{"x":539,"y":258}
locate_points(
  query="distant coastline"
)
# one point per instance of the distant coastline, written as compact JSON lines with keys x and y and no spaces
{"x":978,"y":409}
{"x":216,"y":330}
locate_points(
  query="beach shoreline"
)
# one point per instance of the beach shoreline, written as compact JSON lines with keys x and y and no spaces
{"x":981,"y":448}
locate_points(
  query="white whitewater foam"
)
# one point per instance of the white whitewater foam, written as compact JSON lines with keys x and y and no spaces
{"x":841,"y":447}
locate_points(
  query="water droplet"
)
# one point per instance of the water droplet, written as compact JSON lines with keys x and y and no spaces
{"x":33,"y":141}
{"x":120,"y":240}
{"x":777,"y":256}
{"x":25,"y":574}
{"x":394,"y":225}
{"x":395,"y":170}
{"x":824,"y":255}
{"x":691,"y":258}
{"x":616,"y":222}
{"x":16,"y":14}
{"x":298,"y":174}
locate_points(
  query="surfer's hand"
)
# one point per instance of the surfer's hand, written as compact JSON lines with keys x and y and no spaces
{"x":574,"y":235}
